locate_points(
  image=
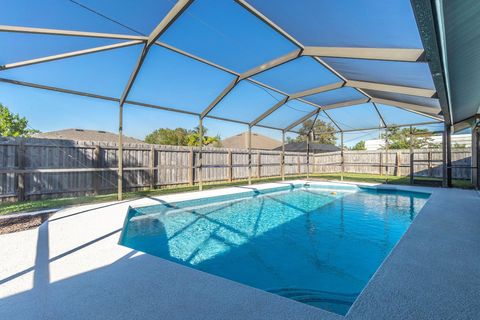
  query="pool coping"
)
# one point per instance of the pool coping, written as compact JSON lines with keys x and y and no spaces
{"x":63,"y":267}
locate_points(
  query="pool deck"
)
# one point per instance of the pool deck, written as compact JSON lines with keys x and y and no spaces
{"x":72,"y":267}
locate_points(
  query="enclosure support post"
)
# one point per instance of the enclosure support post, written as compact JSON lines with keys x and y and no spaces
{"x":259,"y":165}
{"x":191,"y":167}
{"x":476,"y":157}
{"x":21,"y":166}
{"x":249,"y":142}
{"x":282,"y":160}
{"x":152,"y":166}
{"x":447,"y":158}
{"x":120,"y":155}
{"x":342,"y":161}
{"x":386,"y":155}
{"x":200,"y":154}
{"x":411,"y":155}
{"x":95,"y":176}
{"x":308,"y":156}
{"x":230,"y":166}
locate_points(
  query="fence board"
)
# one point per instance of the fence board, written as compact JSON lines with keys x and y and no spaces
{"x":57,"y":168}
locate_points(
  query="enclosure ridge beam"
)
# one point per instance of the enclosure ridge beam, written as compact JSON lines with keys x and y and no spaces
{"x":220,"y":97}
{"x":423,"y":109}
{"x":56,"y":89}
{"x":302,"y":119}
{"x":269,"y":111}
{"x":333,"y":121}
{"x":174,"y":13}
{"x":384,"y":124}
{"x":194,"y":57}
{"x":426,"y":22}
{"x":72,"y":33}
{"x":393,"y":126}
{"x":271,"y":64}
{"x":269,"y":22}
{"x":421,"y":92}
{"x":141,"y":104}
{"x":316,"y":90}
{"x":69,"y":54}
{"x":346,"y":103}
{"x":389,"y":54}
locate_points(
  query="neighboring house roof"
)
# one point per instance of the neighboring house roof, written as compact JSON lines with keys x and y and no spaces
{"x":85,"y":135}
{"x":314,"y":147}
{"x":259,"y":141}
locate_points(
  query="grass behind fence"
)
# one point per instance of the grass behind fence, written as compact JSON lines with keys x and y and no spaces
{"x":7,"y":208}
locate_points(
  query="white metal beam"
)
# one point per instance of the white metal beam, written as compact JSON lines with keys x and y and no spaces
{"x":271,"y":64}
{"x":345,"y":104}
{"x":390,"y":54}
{"x":421,"y":92}
{"x":172,"y":15}
{"x":423,"y":109}
{"x":219,"y":98}
{"x":302,"y":119}
{"x":269,"y":111}
{"x":313,"y":91}
{"x":69,"y":55}
{"x":71,"y":33}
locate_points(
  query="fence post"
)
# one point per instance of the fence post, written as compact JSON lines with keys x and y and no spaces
{"x":21,"y":166}
{"x":230,"y":166}
{"x":298,"y":165}
{"x":398,"y":164}
{"x":96,"y":164}
{"x":429,"y":163}
{"x":191,"y":167}
{"x":411,"y":156}
{"x":152,"y":167}
{"x":282,"y":157}
{"x":381,"y":162}
{"x":259,"y":165}
{"x":342,"y":157}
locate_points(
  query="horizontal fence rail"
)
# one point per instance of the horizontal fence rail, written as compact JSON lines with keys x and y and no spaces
{"x":45,"y":168}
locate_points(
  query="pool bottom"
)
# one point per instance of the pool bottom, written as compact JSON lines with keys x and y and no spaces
{"x":314,"y":246}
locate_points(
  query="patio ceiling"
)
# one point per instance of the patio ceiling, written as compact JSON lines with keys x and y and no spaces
{"x":254,"y":63}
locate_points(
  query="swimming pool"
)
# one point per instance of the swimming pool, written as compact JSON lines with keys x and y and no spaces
{"x":317,"y":244}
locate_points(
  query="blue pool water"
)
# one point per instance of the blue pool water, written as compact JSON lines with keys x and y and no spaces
{"x":307,"y":243}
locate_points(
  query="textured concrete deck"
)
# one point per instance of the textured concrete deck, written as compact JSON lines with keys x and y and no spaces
{"x":73,"y":268}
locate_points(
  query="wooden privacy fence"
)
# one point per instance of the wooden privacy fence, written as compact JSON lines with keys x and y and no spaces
{"x":43,"y":168}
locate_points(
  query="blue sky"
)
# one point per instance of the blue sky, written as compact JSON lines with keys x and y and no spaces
{"x":227,"y":35}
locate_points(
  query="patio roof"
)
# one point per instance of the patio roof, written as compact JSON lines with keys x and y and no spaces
{"x":247,"y":62}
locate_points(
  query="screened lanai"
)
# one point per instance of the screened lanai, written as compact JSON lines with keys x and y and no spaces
{"x":358,"y":65}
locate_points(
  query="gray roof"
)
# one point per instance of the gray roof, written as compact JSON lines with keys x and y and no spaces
{"x":314,"y":147}
{"x":259,"y":141}
{"x":85,"y":135}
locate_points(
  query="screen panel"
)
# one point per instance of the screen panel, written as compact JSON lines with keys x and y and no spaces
{"x":172,"y":80}
{"x":421,"y":101}
{"x":104,"y":73}
{"x":287,"y":114}
{"x":345,"y":23}
{"x":360,"y":116}
{"x":227,"y":34}
{"x":334,"y":96}
{"x":17,"y":47}
{"x":409,"y":74}
{"x":123,"y":17}
{"x":297,"y":75}
{"x":398,"y":116}
{"x":246,"y":102}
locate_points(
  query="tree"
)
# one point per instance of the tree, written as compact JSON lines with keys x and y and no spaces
{"x":323,"y":132}
{"x":12,"y":125}
{"x":360,"y":145}
{"x":194,"y":138}
{"x":181,"y":137}
{"x":165,"y":136}
{"x":400,"y":138}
